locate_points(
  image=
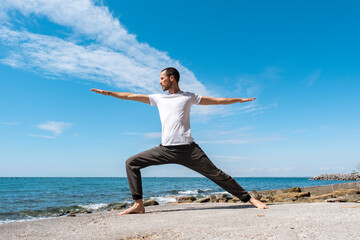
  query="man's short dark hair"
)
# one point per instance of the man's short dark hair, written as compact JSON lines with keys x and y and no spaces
{"x":172,"y":71}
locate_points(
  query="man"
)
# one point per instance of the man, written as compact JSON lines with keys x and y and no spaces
{"x":177,"y":144}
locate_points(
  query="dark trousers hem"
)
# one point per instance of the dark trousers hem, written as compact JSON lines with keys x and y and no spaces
{"x":246,"y":199}
{"x":137,"y":197}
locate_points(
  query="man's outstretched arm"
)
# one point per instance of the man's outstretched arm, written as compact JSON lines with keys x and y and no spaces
{"x":216,"y":101}
{"x":124,"y":95}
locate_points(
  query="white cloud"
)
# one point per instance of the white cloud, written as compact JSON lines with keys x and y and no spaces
{"x":131,"y":133}
{"x":332,"y":168}
{"x":251,"y":85}
{"x":97,"y":47}
{"x":278,"y":169}
{"x":115,"y":57}
{"x":310,"y":80}
{"x":153,"y":135}
{"x":55,"y":127}
{"x":226,"y":141}
{"x":242,"y":131}
{"x":41,"y":136}
{"x":254,"y":169}
{"x":241,"y":140}
{"x":13,"y":123}
{"x":254,"y":108}
{"x":225,"y":158}
{"x":235,"y":136}
{"x":146,"y":135}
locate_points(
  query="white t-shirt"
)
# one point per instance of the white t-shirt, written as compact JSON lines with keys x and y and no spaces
{"x":174,"y":110}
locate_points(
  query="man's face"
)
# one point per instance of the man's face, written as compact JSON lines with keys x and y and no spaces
{"x":165,"y":81}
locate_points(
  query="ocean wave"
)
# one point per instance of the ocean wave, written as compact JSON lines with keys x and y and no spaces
{"x":23,"y":220}
{"x":164,"y":200}
{"x":49,"y":212}
{"x":94,"y":206}
{"x":34,"y":214}
{"x":215,"y":193}
{"x":193,"y":192}
{"x":188,"y":192}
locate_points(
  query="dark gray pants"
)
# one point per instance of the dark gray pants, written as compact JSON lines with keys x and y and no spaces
{"x":191,"y":156}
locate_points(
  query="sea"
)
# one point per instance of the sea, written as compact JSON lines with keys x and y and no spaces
{"x":30,"y":198}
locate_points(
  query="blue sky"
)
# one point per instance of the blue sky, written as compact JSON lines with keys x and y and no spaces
{"x":300,"y":59}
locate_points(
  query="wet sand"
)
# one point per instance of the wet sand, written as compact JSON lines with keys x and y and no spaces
{"x":201,"y":221}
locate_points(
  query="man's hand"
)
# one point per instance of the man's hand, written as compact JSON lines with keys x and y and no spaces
{"x":216,"y":101}
{"x":248,"y":99}
{"x":124,"y":95}
{"x":103,"y":92}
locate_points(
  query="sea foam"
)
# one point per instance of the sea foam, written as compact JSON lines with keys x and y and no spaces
{"x":164,"y":200}
{"x":94,"y":206}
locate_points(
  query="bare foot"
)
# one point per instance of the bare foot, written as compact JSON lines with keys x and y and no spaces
{"x":138,"y":207}
{"x":257,"y":203}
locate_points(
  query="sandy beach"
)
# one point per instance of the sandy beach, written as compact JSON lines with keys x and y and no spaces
{"x":201,"y":221}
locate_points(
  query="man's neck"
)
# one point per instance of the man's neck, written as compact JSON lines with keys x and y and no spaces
{"x":174,"y":90}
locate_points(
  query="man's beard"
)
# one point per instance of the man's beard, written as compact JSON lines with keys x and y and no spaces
{"x":167,"y":87}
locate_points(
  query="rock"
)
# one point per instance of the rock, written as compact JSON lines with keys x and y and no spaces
{"x":85,"y":211}
{"x":280,"y":191}
{"x":318,"y":193}
{"x":339,"y":199}
{"x":295,"y":189}
{"x":150,"y":202}
{"x":71,"y":215}
{"x":290,"y":197}
{"x":288,"y":190}
{"x":269,"y":198}
{"x":340,"y":195}
{"x":320,"y":198}
{"x":222,"y":196}
{"x":185,"y":199}
{"x":345,"y":192}
{"x":234,"y":200}
{"x":255,"y":194}
{"x":303,"y":200}
{"x":117,"y":206}
{"x":203,"y":200}
{"x":354,"y":198}
{"x":212,"y":198}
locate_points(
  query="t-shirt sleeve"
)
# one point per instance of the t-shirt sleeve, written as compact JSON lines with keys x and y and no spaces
{"x":196,"y":98}
{"x":154,"y":99}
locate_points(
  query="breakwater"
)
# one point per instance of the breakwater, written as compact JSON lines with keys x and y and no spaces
{"x":338,"y":176}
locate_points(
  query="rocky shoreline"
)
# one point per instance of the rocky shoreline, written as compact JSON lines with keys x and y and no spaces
{"x":338,"y":176}
{"x":342,"y":192}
